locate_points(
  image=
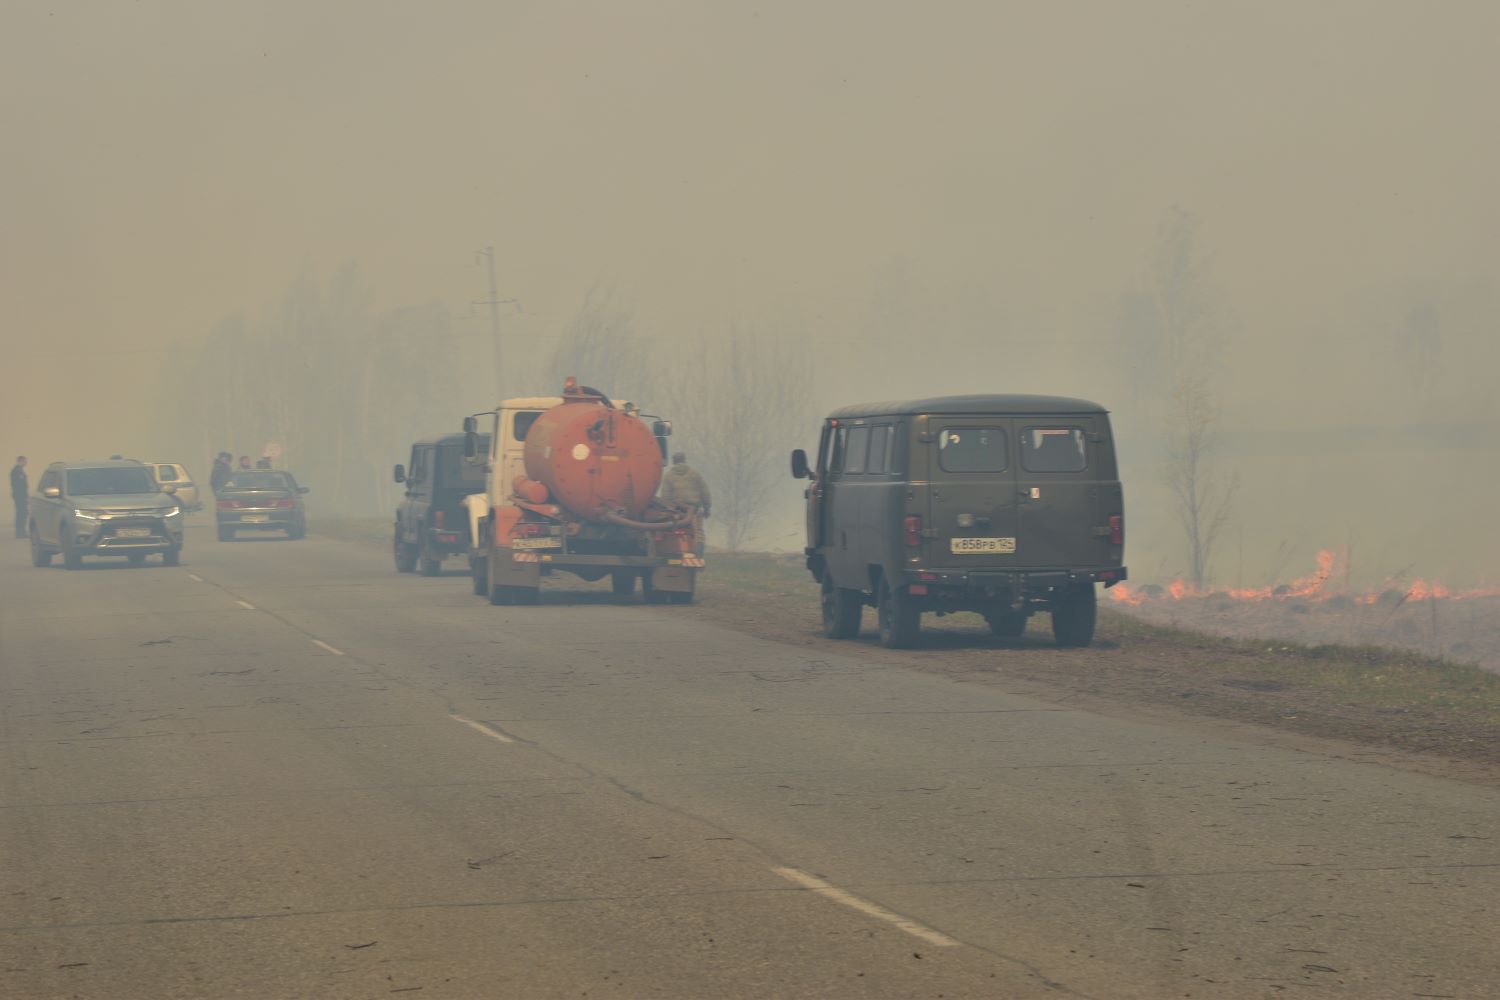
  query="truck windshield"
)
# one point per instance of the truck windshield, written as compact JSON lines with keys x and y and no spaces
{"x":973,"y":449}
{"x":104,"y":482}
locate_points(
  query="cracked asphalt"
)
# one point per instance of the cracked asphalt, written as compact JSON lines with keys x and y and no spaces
{"x":282,"y":770}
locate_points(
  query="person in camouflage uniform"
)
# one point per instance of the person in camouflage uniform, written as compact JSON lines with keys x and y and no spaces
{"x":683,"y":485}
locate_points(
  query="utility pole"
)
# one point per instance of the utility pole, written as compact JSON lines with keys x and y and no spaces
{"x":494,"y":302}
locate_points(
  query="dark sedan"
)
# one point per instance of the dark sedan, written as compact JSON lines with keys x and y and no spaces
{"x":261,"y":500}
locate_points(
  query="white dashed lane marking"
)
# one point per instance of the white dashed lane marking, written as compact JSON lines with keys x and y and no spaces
{"x":829,"y":891}
{"x":480,"y":727}
{"x":195,"y":578}
{"x":321,"y":644}
{"x":246,"y":605}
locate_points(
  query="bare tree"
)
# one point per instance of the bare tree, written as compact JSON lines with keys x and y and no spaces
{"x":740,"y":405}
{"x":1185,"y":335}
{"x":602,"y":348}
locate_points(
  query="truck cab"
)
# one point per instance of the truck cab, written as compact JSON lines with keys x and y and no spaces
{"x":1003,"y":505}
{"x":431,"y":522}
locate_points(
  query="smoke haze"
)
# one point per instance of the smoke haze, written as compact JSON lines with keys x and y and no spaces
{"x":916,"y":199}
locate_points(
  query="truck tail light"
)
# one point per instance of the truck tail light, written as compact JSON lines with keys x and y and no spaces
{"x":913,"y":527}
{"x":1117,"y":529}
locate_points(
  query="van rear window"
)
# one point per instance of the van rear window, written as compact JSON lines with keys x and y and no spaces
{"x":1053,"y":449}
{"x":973,"y":449}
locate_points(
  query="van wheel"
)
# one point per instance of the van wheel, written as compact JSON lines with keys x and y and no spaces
{"x":900,"y":621}
{"x":1007,"y":624}
{"x":1073,"y":614}
{"x":406,"y":555}
{"x":842,"y":610}
{"x":622,"y":584}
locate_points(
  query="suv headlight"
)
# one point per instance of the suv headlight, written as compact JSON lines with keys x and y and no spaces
{"x":87,"y":515}
{"x":171,"y":512}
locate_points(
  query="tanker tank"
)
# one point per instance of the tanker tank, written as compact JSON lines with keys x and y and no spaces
{"x":597,"y":461}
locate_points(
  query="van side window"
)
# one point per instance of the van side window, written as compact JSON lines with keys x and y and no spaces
{"x":854,"y":458}
{"x":836,"y":460}
{"x":879,"y":460}
{"x":1053,"y":449}
{"x":973,"y":449}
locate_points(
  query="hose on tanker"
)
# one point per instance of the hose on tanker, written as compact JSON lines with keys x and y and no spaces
{"x":591,"y":391}
{"x":680,"y":521}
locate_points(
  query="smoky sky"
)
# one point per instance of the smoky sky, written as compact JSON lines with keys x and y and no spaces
{"x":924,"y":197}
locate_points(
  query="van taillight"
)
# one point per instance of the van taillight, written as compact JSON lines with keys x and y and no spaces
{"x":1117,"y":529}
{"x":913,"y":527}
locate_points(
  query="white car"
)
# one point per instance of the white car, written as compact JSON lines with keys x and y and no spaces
{"x":173,"y":475}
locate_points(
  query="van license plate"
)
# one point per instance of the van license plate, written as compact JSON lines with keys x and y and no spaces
{"x":133,"y":533}
{"x":963,"y":546}
{"x":536,"y":543}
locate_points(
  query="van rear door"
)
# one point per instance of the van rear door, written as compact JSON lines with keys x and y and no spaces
{"x":1062,"y":523}
{"x":972,"y":508}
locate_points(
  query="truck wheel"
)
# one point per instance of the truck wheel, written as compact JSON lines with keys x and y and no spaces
{"x":683,"y":596}
{"x":622,"y":583}
{"x":172,"y":557}
{"x":650,"y":594}
{"x":900,"y":621}
{"x":1073,"y":614}
{"x":842,"y":610}
{"x":479,"y":576}
{"x":406,"y":555}
{"x":1006,"y":624}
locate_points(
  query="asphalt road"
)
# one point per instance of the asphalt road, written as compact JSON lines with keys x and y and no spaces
{"x":281,"y":770}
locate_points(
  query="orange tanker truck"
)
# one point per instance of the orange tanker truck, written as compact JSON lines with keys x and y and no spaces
{"x":571,"y":485}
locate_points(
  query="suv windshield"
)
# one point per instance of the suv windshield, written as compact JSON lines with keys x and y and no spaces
{"x":260,"y":481}
{"x":103,"y":482}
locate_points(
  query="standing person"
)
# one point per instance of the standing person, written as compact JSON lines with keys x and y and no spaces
{"x":19,"y":487}
{"x":683,"y":485}
{"x":220,"y":474}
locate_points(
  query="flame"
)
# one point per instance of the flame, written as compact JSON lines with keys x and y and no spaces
{"x":1313,"y":587}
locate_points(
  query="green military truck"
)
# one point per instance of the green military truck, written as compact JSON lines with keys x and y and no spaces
{"x":1003,"y":505}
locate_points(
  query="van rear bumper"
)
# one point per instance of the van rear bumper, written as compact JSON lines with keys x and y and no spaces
{"x":989,"y":586}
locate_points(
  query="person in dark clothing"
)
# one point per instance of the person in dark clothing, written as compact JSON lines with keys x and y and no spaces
{"x":220,"y":474}
{"x":19,"y":487}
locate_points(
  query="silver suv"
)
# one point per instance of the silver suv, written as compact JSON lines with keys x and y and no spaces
{"x":107,"y":508}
